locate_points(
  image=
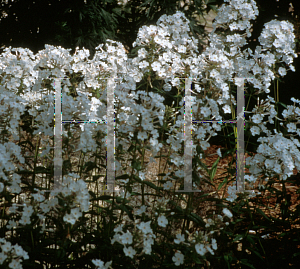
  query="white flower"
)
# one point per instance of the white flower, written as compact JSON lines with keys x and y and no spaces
{"x":73,"y":187}
{"x":69,"y":218}
{"x":15,"y":264}
{"x":168,"y":185}
{"x":227,"y":213}
{"x":205,"y":111}
{"x":13,"y":209}
{"x":232,"y":193}
{"x":210,"y":250}
{"x":28,"y":210}
{"x":11,"y":224}
{"x":126,"y":238}
{"x":2,"y":257}
{"x":6,"y":247}
{"x":45,"y":207}
{"x":98,"y":263}
{"x":130,"y":252}
{"x":156,"y":66}
{"x":142,"y":53}
{"x":255,"y":130}
{"x":282,"y":71}
{"x":209,"y":222}
{"x":152,"y":29}
{"x":178,"y":258}
{"x":180,"y":238}
{"x":118,"y":228}
{"x":143,"y":64}
{"x":214,"y":73}
{"x":25,"y":220}
{"x":145,"y":227}
{"x":1,"y":187}
{"x":142,"y":136}
{"x":162,"y":221}
{"x":226,"y":109}
{"x":257,"y":118}
{"x":141,"y":210}
{"x":214,"y":244}
{"x":291,"y":128}
{"x":142,"y":175}
{"x":19,"y":250}
{"x":15,"y":188}
{"x":182,"y":49}
{"x":200,"y":249}
{"x":111,"y":49}
{"x":76,"y":213}
{"x":108,"y":264}
{"x":147,"y":247}
{"x":38,"y":197}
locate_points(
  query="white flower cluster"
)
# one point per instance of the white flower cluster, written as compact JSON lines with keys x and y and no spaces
{"x":217,"y":221}
{"x":80,"y":203}
{"x":215,"y":52}
{"x":278,"y":36}
{"x":14,"y":254}
{"x":236,"y":15}
{"x":8,"y":150}
{"x":145,"y":238}
{"x":170,"y":52}
{"x":100,"y":264}
{"x":202,"y":249}
{"x":275,"y":155}
{"x":202,"y":242}
{"x":167,"y":47}
{"x":39,"y":207}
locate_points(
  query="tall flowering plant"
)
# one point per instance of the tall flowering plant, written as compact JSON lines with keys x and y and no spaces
{"x":83,"y":231}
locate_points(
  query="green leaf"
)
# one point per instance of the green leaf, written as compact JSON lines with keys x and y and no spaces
{"x":213,"y":170}
{"x":104,"y":197}
{"x":198,"y":218}
{"x":25,"y":172}
{"x":136,"y":165}
{"x":88,"y":166}
{"x":125,"y":176}
{"x":245,"y":262}
{"x":120,"y":200}
{"x":177,"y":208}
{"x":238,"y":237}
{"x":118,"y":11}
{"x":145,"y":3}
{"x":284,"y":105}
{"x":249,"y":238}
{"x":197,"y":260}
{"x":296,"y":254}
{"x":96,"y":177}
{"x":281,"y":235}
{"x":153,"y":186}
{"x":222,"y":183}
{"x":202,"y":164}
{"x":262,"y":213}
{"x":126,"y":209}
{"x":42,"y":170}
{"x":257,"y":254}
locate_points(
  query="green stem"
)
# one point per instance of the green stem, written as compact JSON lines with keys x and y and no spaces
{"x":35,"y":161}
